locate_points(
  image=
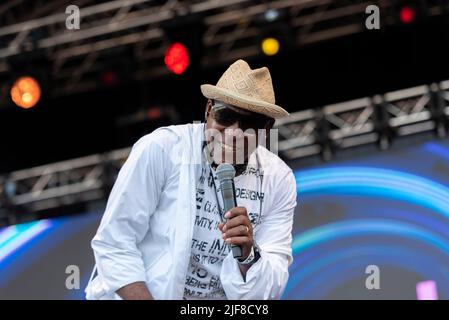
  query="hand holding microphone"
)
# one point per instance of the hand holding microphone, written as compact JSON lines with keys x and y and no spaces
{"x":237,"y":229}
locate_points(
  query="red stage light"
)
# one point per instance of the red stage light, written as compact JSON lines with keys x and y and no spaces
{"x":407,"y":14}
{"x":109,"y":78}
{"x":154,"y":113}
{"x":177,"y":58}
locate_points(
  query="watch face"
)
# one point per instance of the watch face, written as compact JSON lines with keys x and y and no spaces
{"x":249,"y":259}
{"x":256,"y":252}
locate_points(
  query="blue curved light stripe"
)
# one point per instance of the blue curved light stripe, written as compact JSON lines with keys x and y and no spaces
{"x":411,"y":217}
{"x":14,"y":237}
{"x":351,"y":229}
{"x":59,"y":229}
{"x":356,"y":260}
{"x":7,"y":234}
{"x":364,"y":227}
{"x":375,"y":182}
{"x":436,"y":149}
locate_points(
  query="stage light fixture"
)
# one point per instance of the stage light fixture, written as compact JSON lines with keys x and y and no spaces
{"x":410,"y":12}
{"x":271,"y":15}
{"x":109,"y":78}
{"x":177,"y":58}
{"x":26,"y":92}
{"x":407,"y":14}
{"x":270,"y":46}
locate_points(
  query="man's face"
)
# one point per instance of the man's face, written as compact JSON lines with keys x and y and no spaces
{"x":232,"y":134}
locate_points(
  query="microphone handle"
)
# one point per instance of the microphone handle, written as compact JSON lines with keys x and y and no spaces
{"x":229,"y":202}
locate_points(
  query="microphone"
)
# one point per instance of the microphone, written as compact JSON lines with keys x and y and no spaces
{"x":226,"y":173}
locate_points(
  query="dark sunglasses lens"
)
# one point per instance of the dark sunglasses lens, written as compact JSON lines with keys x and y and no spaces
{"x":257,"y":123}
{"x":225,"y":116}
{"x":254,"y":122}
{"x":228,"y":117}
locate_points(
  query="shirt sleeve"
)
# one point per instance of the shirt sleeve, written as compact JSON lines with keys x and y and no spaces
{"x":131,"y":203}
{"x":267,"y":278}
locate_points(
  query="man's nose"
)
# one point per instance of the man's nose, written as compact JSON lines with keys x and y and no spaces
{"x":233,"y":133}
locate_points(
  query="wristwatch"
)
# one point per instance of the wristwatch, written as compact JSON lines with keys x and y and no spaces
{"x":253,"y":256}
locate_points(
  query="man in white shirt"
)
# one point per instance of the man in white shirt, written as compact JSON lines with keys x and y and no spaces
{"x":165,"y":235}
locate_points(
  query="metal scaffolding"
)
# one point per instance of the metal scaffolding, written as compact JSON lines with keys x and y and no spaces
{"x":109,"y":29}
{"x":134,"y":30}
{"x":321,"y":132}
{"x":378,"y":119}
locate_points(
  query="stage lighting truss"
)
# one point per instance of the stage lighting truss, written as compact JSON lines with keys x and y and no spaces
{"x":65,"y":183}
{"x":444,"y":94}
{"x":297,"y":134}
{"x":109,"y":28}
{"x":409,"y":111}
{"x":322,"y":131}
{"x":365,"y":121}
{"x":77,"y":55}
{"x":351,"y":123}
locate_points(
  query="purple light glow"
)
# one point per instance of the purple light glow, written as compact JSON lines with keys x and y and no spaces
{"x":427,"y":290}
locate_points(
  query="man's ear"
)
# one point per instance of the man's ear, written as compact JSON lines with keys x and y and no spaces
{"x":270,"y":124}
{"x":208,"y":108}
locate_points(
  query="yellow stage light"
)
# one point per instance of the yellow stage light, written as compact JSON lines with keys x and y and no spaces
{"x":270,"y":46}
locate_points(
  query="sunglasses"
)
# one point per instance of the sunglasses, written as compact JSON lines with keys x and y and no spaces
{"x":227,"y":115}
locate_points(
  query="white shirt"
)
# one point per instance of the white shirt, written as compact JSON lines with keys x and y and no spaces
{"x":208,"y":249}
{"x":148,"y":225}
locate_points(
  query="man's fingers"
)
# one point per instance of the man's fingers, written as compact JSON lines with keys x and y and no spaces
{"x":220,"y":226}
{"x":240,"y":241}
{"x":237,"y":211}
{"x":241,"y":230}
{"x":236,"y":221}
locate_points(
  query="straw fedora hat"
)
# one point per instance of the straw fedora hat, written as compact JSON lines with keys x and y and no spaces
{"x":246,"y":88}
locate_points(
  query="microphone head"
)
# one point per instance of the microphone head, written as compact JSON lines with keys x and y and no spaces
{"x":225,"y":171}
